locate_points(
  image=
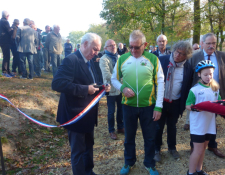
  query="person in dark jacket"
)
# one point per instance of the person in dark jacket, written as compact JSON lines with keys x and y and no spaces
{"x":161,"y":42}
{"x":96,"y":59}
{"x":68,"y":47}
{"x":5,"y":40}
{"x":178,"y":78}
{"x":121,"y":49}
{"x":16,"y":55}
{"x":74,"y":79}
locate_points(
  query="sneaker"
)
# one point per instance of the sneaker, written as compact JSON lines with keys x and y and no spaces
{"x":152,"y":171}
{"x":12,"y":74}
{"x":125,"y":170}
{"x":21,"y":77}
{"x":30,"y":78}
{"x":6,"y":75}
{"x":157,"y":156}
{"x":202,"y":173}
{"x":43,"y":69}
{"x":174,"y":153}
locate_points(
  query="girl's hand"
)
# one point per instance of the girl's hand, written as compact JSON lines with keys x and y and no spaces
{"x":189,"y":107}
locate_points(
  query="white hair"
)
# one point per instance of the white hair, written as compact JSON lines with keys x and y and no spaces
{"x":90,"y":37}
{"x":4,"y":14}
{"x":164,"y":36}
{"x":137,"y":35}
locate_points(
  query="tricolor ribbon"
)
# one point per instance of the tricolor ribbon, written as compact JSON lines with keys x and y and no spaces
{"x":73,"y":120}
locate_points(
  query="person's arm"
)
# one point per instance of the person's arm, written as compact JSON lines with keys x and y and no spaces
{"x":7,"y":28}
{"x":63,"y":81}
{"x":190,"y":100}
{"x":18,"y":34}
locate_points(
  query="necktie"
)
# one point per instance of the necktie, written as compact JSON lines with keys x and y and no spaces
{"x":89,"y":68}
{"x":208,"y":57}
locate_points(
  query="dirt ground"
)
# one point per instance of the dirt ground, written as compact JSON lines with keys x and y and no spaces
{"x":31,"y":149}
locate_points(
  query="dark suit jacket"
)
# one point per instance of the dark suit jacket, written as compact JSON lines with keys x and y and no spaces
{"x":72,"y":80}
{"x":187,"y":80}
{"x":220,"y":56}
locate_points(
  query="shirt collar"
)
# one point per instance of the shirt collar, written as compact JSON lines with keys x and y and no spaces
{"x":205,"y":54}
{"x":85,"y":60}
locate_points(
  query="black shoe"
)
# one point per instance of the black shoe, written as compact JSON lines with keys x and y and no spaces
{"x":202,"y":173}
{"x":192,"y":174}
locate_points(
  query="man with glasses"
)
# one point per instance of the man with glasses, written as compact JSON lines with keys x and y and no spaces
{"x":161,"y":42}
{"x":141,"y":72}
{"x":107,"y":63}
{"x":209,"y":52}
{"x":178,"y":77}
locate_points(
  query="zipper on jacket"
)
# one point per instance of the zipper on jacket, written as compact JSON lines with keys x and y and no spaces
{"x":137,"y":79}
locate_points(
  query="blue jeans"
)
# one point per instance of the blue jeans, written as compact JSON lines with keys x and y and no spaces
{"x":111,"y":100}
{"x":29,"y":57}
{"x":55,"y":60}
{"x":81,"y":145}
{"x":130,"y":119}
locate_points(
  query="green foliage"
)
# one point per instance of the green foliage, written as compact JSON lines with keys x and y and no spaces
{"x":75,"y":37}
{"x":4,"y":140}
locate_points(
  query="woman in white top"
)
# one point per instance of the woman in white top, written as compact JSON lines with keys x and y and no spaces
{"x":202,"y":123}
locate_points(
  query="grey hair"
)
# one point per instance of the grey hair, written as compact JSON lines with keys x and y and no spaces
{"x":164,"y":36}
{"x":184,"y":46}
{"x":5,"y":14}
{"x":137,"y":35}
{"x":54,"y":26}
{"x":26,"y":21}
{"x":119,"y":44}
{"x":90,"y":37}
{"x":207,"y":35}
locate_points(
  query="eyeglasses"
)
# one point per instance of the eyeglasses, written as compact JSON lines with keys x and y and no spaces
{"x":112,"y":45}
{"x":135,"y":47}
{"x":214,"y":43}
{"x":177,"y":52}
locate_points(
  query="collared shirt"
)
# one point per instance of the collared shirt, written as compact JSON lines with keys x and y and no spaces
{"x":177,"y":82}
{"x":161,"y":54}
{"x":214,"y":60}
{"x":85,"y":60}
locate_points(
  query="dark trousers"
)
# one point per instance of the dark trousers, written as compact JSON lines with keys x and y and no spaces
{"x":111,"y":101}
{"x":37,"y":64}
{"x":16,"y":58}
{"x":47,"y":59}
{"x":6,"y":58}
{"x":55,"y":60}
{"x":67,"y":53}
{"x":29,"y":57}
{"x":81,"y":145}
{"x":170,"y":115}
{"x":148,"y":126}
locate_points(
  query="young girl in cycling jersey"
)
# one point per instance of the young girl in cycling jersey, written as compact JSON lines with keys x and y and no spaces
{"x":202,"y":123}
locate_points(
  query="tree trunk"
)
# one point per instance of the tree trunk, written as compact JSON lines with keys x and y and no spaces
{"x":210,"y":16}
{"x":163,"y":16}
{"x":197,"y":22}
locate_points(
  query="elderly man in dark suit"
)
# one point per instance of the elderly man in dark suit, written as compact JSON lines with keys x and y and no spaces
{"x":209,"y":52}
{"x":74,"y":79}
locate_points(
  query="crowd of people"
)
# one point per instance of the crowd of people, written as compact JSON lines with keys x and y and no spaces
{"x":154,"y":87}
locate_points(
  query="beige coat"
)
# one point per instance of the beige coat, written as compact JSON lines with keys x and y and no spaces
{"x":106,"y":67}
{"x":54,"y":43}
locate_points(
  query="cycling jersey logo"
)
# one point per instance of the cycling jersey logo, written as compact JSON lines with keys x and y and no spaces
{"x":144,"y":62}
{"x":200,"y":93}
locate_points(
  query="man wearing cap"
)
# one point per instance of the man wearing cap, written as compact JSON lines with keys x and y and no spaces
{"x":5,"y":39}
{"x":26,"y":40}
{"x":16,"y":56}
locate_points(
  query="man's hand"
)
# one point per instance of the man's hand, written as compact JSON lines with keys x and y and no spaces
{"x":97,"y":59}
{"x":92,"y":89}
{"x":128,"y":92}
{"x":107,"y":88}
{"x":156,"y":115}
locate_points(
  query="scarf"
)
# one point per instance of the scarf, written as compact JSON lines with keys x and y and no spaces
{"x":113,"y":56}
{"x":169,"y":78}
